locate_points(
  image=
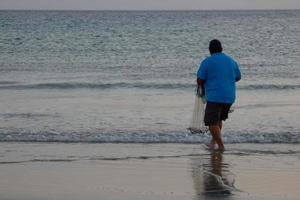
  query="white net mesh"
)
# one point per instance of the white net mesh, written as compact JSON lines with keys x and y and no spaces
{"x":197,"y":123}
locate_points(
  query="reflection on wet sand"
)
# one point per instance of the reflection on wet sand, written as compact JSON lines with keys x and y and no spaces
{"x":212,"y":177}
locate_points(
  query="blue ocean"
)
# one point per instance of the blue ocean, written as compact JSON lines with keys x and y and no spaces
{"x":129,"y":76}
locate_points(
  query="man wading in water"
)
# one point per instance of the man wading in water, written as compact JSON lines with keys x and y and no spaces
{"x":217,"y":76}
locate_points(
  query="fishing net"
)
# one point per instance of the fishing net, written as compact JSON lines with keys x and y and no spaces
{"x":197,"y":125}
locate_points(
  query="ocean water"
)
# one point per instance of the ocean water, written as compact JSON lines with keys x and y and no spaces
{"x":129,"y":76}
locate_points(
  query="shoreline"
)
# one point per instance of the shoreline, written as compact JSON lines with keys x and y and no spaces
{"x":148,"y":171}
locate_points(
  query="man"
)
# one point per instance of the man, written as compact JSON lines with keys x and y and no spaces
{"x":217,"y":76}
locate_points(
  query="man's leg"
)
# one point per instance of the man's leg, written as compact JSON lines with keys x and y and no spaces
{"x":220,"y":125}
{"x":212,"y":118}
{"x":215,"y":131}
{"x":223,"y":116}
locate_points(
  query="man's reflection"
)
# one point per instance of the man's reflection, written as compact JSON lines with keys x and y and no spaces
{"x":211,"y":175}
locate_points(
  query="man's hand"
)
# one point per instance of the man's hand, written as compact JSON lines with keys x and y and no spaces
{"x":200,"y":82}
{"x":200,"y":90}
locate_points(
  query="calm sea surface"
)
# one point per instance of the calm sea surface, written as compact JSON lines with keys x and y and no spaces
{"x":129,"y":76}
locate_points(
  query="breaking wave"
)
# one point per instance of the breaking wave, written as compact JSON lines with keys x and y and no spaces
{"x":141,"y":85}
{"x":289,"y":138}
{"x":97,"y":86}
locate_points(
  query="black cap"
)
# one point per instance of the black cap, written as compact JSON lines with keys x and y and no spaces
{"x":215,"y":46}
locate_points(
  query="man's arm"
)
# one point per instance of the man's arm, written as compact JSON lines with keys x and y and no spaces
{"x":201,"y":77}
{"x":237,"y":73}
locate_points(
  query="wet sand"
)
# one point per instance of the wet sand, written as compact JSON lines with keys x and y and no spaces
{"x":138,"y":171}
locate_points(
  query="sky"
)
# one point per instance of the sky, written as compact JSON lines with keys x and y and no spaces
{"x":149,"y":4}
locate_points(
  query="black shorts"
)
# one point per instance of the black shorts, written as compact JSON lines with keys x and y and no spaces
{"x":215,"y":112}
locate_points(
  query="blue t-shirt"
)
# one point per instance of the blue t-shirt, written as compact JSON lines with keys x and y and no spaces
{"x":219,"y":72}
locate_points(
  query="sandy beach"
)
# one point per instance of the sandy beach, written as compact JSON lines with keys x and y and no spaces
{"x":96,"y":104}
{"x":148,"y":171}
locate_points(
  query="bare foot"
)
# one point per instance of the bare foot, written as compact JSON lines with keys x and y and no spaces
{"x":210,"y":146}
{"x":221,"y":149}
